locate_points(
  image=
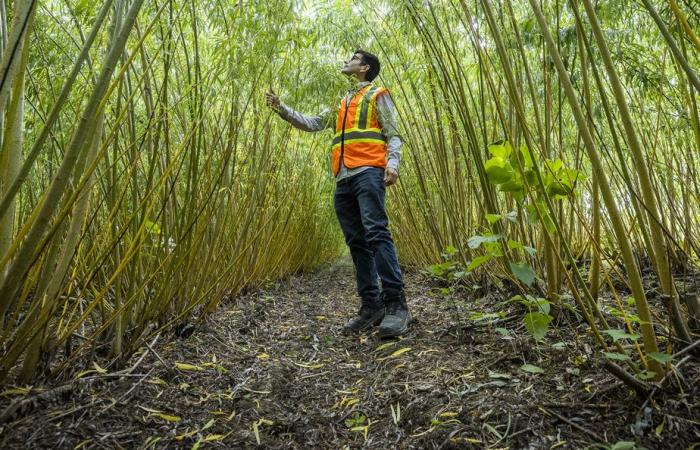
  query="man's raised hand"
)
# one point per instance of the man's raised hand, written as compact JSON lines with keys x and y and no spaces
{"x":272,"y":100}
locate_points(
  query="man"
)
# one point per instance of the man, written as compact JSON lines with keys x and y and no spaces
{"x":365,"y":158}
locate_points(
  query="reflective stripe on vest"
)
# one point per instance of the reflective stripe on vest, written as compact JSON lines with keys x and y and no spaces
{"x":360,"y":142}
{"x":371,"y":134}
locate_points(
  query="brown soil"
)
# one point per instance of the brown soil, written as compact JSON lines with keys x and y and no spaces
{"x":273,"y":370}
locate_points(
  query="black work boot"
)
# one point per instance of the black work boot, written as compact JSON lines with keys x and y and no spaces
{"x":397,"y":315}
{"x":368,"y":316}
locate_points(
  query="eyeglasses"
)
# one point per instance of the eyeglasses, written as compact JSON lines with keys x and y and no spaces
{"x":357,"y":57}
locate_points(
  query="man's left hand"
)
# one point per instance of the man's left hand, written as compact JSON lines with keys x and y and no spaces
{"x":390,"y":176}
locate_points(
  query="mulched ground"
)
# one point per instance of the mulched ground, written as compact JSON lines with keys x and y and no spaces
{"x":272,"y":370}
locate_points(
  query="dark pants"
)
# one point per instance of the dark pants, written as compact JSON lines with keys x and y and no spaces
{"x":359,"y":205}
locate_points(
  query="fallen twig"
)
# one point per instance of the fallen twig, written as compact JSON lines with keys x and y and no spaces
{"x":686,"y":349}
{"x":663,"y":380}
{"x":140,"y":360}
{"x":122,"y":397}
{"x":573,"y":424}
{"x":580,"y":405}
{"x":630,"y":380}
{"x":150,"y":347}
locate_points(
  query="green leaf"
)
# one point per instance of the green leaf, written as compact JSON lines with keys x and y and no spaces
{"x":554,"y":165}
{"x":618,"y":334}
{"x":479,"y":261}
{"x":663,"y":358}
{"x":512,"y":185}
{"x":542,"y":305}
{"x":531,"y":177}
{"x":498,"y":170}
{"x":523,"y":272}
{"x":493,"y":218}
{"x":518,"y":196}
{"x":531,"y":214}
{"x":531,"y":251}
{"x":475,"y":242}
{"x":531,"y":368}
{"x":527,"y":157}
{"x":537,"y":324}
{"x":449,"y":252}
{"x":514,"y":244}
{"x":152,"y":227}
{"x":548,"y":222}
{"x":437,"y":270}
{"x":571,"y":176}
{"x":356,"y":419}
{"x":494,"y":248}
{"x":617,"y":356}
{"x":500,"y":149}
{"x":558,"y":189}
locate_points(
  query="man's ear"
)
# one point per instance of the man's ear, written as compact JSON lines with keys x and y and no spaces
{"x":364,"y":68}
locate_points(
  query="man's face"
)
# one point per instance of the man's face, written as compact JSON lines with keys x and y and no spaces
{"x":354,"y":66}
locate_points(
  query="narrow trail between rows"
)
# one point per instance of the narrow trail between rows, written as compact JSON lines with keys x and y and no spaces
{"x":272,"y":369}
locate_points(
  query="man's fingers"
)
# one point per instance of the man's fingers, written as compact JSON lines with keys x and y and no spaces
{"x":271,"y":99}
{"x":390,"y":177}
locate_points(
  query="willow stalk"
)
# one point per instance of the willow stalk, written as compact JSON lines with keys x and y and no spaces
{"x":648,"y":334}
{"x":519,"y":110}
{"x":21,"y":24}
{"x":53,"y":116}
{"x":658,"y":252}
{"x":692,"y":76}
{"x":13,"y":121}
{"x":18,"y":268}
{"x":594,"y":270}
{"x":684,"y":23}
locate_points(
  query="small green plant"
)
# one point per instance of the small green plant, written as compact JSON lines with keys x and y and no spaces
{"x":513,"y":172}
{"x":449,"y":270}
{"x":537,"y":319}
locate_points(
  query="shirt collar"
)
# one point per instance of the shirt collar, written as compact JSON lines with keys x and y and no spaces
{"x":357,"y":85}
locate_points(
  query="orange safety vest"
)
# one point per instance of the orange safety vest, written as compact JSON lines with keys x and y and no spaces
{"x":358,"y":139}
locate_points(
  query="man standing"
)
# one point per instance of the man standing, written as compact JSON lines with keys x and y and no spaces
{"x":365,"y":158}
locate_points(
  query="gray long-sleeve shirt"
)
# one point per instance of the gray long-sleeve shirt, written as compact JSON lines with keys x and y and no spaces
{"x":326,"y":119}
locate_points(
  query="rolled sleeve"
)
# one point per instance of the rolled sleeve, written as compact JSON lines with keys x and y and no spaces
{"x":387,"y":117}
{"x":305,"y":122}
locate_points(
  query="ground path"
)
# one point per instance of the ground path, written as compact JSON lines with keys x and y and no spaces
{"x":273,"y":370}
